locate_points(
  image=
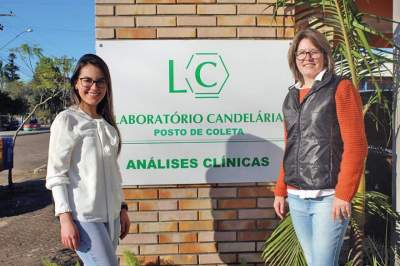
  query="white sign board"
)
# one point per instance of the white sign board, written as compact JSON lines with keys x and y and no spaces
{"x":198,"y":111}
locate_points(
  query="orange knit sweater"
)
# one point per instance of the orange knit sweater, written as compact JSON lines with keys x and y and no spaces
{"x":355,"y":149}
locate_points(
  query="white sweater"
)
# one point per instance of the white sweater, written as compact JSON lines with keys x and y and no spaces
{"x":82,"y":169}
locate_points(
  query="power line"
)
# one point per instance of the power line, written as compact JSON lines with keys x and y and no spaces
{"x":45,"y":42}
{"x":15,"y":37}
{"x":11,"y":14}
{"x":47,"y":46}
{"x":24,"y":24}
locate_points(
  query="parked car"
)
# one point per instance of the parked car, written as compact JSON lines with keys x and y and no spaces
{"x":4,"y":122}
{"x":14,"y":124}
{"x":8,"y":122}
{"x":32,"y":125}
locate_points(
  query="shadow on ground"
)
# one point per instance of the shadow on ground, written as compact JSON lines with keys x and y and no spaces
{"x":29,"y":231}
{"x":24,"y":197}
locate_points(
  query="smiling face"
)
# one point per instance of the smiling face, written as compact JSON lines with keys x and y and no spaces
{"x":91,"y":87}
{"x":312,"y":63}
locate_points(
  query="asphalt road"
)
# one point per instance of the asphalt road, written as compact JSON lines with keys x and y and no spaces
{"x":30,"y":153}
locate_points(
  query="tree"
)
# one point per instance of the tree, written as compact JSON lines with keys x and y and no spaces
{"x":10,"y":69}
{"x":5,"y":103}
{"x":11,"y":106}
{"x":9,"y":80}
{"x":29,"y":54}
{"x":2,"y":76}
{"x":51,"y":78}
{"x":356,"y":59}
{"x":48,"y":86}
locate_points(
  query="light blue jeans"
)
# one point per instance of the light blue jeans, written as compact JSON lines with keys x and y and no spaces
{"x":96,"y":248}
{"x":320,"y":237}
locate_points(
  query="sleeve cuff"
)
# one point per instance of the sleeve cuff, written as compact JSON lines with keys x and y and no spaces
{"x":280,"y":192}
{"x":61,"y":202}
{"x":344,"y":196}
{"x":53,"y":181}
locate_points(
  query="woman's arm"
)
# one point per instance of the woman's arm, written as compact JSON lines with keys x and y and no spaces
{"x":355,"y":149}
{"x":281,"y":187}
{"x":60,"y":196}
{"x":61,"y":145}
{"x":124,"y":219}
{"x":69,"y":231}
{"x":62,"y":141}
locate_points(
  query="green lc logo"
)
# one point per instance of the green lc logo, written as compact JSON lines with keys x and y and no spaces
{"x":206,"y":75}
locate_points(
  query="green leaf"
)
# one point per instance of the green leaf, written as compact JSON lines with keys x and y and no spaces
{"x":282,"y":246}
{"x":130,"y":258}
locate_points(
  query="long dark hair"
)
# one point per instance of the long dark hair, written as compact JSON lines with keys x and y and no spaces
{"x":105,"y":108}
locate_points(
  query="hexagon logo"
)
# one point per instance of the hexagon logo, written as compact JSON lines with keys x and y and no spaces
{"x":206,"y":75}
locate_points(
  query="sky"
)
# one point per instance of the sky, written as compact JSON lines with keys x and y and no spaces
{"x":59,"y":27}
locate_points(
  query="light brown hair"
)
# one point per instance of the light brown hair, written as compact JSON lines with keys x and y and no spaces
{"x":105,"y":108}
{"x":319,"y":41}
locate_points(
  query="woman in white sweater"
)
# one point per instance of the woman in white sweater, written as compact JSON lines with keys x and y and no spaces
{"x":82,"y":169}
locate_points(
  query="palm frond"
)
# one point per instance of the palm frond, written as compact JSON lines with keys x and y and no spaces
{"x":130,"y":258}
{"x":282,"y":247}
{"x":355,"y":255}
{"x":47,"y":262}
{"x":376,"y":204}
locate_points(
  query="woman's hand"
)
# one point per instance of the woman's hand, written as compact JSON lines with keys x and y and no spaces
{"x":125,"y":223}
{"x":279,"y":206}
{"x":341,"y":209}
{"x":69,"y":231}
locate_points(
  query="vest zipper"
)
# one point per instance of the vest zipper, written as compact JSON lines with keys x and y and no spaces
{"x":299,"y":142}
{"x":300,"y":106}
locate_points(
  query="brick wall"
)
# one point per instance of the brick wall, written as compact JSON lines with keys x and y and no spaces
{"x":190,"y":19}
{"x":214,"y":224}
{"x":199,"y":224}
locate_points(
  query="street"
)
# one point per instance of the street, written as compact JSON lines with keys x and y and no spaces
{"x":30,"y":153}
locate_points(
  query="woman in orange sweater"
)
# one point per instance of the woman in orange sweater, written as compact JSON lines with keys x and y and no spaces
{"x":324,"y":152}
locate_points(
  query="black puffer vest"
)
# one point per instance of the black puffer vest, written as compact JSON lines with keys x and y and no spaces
{"x":314,"y":145}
